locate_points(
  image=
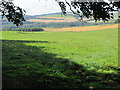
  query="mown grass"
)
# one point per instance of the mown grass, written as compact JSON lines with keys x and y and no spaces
{"x":61,"y":59}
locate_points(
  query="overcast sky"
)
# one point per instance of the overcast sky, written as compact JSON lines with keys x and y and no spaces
{"x":37,"y":7}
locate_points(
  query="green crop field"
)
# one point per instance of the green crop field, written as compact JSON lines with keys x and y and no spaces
{"x":61,"y":59}
{"x":59,"y":15}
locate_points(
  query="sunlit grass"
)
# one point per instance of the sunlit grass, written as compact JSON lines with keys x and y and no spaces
{"x":43,"y":52}
{"x":82,"y":47}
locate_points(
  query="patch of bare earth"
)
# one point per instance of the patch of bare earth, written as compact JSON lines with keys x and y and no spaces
{"x":87,"y":28}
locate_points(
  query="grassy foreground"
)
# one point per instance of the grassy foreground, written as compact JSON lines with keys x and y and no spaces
{"x":61,"y":59}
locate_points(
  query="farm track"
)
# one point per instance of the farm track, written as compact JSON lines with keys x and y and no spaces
{"x":87,"y":28}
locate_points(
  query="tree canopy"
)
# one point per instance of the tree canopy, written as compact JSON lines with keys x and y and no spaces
{"x":13,"y":13}
{"x":98,"y":9}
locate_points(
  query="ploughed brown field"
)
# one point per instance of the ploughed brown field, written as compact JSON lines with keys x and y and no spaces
{"x":86,"y":28}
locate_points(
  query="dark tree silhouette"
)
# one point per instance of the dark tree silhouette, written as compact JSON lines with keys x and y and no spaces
{"x":13,"y":13}
{"x":98,"y":9}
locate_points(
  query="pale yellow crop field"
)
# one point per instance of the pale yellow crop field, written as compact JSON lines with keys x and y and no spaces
{"x":86,"y":28}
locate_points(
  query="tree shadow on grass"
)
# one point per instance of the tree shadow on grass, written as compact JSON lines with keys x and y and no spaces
{"x":31,"y":67}
{"x":26,"y":41}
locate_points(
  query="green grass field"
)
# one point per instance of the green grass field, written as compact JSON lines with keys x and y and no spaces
{"x":61,"y":59}
{"x":59,"y":15}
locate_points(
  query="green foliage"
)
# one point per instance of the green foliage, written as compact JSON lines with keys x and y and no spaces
{"x":60,"y":59}
{"x":26,"y":29}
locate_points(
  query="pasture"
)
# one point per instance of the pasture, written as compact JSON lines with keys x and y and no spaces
{"x":61,"y":59}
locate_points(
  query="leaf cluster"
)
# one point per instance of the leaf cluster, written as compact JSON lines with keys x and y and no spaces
{"x":98,"y":10}
{"x":13,"y":13}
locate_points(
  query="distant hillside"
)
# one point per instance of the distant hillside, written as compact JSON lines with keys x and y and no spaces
{"x":40,"y":18}
{"x":48,"y":15}
{"x":55,"y":20}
